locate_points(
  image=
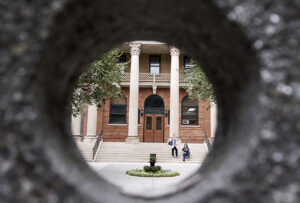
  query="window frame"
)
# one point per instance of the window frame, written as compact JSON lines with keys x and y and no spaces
{"x":110,"y":114}
{"x":185,"y":59}
{"x":197,"y":110}
{"x":150,"y":56}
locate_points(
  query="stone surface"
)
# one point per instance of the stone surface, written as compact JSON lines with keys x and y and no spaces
{"x":248,"y":48}
{"x":116,"y":174}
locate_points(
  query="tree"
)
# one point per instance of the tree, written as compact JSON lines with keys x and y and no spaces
{"x":197,"y":84}
{"x":99,"y":83}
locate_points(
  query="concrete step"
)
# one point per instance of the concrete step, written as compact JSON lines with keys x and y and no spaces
{"x":139,"y":153}
{"x":86,"y":150}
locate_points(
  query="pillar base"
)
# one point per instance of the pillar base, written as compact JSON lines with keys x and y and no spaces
{"x":178,"y":140}
{"x":132,"y":140}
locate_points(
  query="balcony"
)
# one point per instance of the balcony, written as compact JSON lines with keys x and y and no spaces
{"x":147,"y":79}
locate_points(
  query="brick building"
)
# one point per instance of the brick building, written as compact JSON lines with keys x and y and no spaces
{"x":155,"y":106}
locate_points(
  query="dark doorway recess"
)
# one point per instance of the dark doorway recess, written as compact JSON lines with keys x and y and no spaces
{"x":154,"y":105}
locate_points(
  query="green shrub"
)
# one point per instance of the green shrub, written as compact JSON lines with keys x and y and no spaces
{"x":152,"y":169}
{"x":156,"y":168}
{"x":148,"y":168}
{"x":160,"y":173}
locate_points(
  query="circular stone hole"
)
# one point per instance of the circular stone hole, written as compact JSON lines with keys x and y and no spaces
{"x":80,"y":36}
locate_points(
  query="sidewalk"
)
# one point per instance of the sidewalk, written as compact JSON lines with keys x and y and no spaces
{"x":116,"y":174}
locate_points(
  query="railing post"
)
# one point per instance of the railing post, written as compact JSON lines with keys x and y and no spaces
{"x":154,"y":86}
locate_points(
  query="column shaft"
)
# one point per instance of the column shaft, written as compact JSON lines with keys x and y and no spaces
{"x":76,"y":125}
{"x":213,"y":119}
{"x":174,"y":92}
{"x":134,"y":94}
{"x":92,"y":121}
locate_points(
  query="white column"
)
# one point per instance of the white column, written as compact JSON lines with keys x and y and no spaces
{"x":213,"y":119}
{"x":92,"y":121}
{"x":174,"y":92}
{"x":76,"y":125}
{"x":134,"y":94}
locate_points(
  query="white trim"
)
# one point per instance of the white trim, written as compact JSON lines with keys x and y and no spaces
{"x":147,"y":42}
{"x":117,"y":124}
{"x":190,"y":126}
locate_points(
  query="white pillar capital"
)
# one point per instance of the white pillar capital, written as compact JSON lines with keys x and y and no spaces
{"x":174,"y":51}
{"x":135,"y":48}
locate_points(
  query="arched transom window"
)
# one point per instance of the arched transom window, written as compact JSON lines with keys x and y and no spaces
{"x":117,"y":112}
{"x":189,"y":111}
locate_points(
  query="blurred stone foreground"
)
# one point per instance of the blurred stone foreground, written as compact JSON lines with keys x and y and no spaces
{"x":248,"y":48}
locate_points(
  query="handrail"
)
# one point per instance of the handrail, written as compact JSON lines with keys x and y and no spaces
{"x":207,"y":141}
{"x":97,"y":143}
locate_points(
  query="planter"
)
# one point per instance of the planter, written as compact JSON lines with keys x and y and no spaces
{"x":161,"y":173}
{"x":152,"y":163}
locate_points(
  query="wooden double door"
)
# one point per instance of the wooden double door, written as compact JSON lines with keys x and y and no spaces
{"x":154,"y":128}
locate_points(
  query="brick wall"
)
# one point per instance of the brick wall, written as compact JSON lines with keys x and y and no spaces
{"x":118,"y":133}
{"x":190,"y":134}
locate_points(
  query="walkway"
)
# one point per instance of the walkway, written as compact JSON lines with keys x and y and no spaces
{"x":115,"y":173}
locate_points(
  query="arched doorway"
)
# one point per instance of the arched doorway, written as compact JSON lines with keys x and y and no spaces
{"x":154,"y":119}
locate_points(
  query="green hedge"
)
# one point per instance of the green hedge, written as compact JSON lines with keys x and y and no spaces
{"x":159,"y":173}
{"x":152,"y":169}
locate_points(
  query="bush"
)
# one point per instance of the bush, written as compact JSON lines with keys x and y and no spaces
{"x":152,"y":169}
{"x":148,"y":168}
{"x":160,"y":173}
{"x":156,"y":168}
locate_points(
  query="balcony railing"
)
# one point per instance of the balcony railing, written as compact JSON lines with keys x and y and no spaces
{"x":157,"y":78}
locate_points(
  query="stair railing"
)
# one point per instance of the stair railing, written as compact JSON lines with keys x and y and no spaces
{"x":207,"y":141}
{"x":97,"y":145}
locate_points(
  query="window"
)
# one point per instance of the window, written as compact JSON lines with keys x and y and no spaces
{"x":158,"y":123}
{"x":154,"y":64}
{"x":189,"y":111}
{"x":117,"y":113}
{"x":122,"y":61}
{"x":149,"y":123}
{"x":187,"y":62}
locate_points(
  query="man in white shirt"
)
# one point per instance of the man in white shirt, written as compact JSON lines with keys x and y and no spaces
{"x":174,"y":144}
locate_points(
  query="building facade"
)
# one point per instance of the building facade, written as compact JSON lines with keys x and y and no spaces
{"x":155,"y":105}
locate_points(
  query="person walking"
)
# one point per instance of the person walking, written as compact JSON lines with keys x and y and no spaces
{"x":174,"y":146}
{"x":186,"y":152}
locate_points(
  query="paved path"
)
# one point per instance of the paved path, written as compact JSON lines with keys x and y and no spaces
{"x":116,"y":174}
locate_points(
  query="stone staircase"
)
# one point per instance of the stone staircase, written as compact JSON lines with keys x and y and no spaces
{"x":86,"y":149}
{"x":139,"y":153}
